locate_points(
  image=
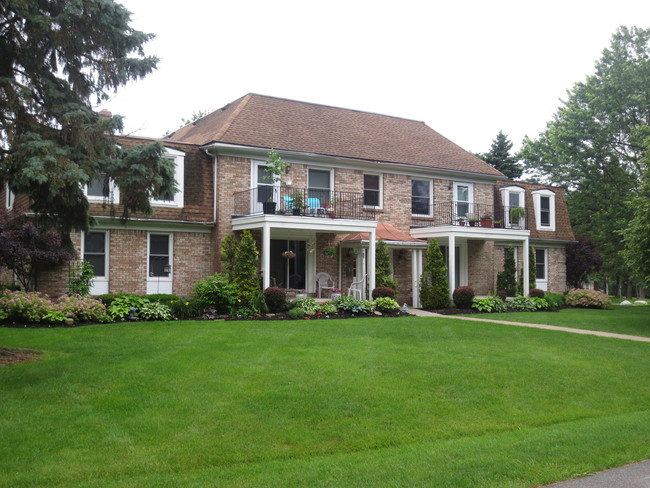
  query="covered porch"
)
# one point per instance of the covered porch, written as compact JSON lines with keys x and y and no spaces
{"x":296,"y":229}
{"x":456,"y":241}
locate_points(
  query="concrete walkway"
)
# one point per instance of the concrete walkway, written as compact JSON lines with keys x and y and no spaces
{"x":423,"y":313}
{"x":630,"y":476}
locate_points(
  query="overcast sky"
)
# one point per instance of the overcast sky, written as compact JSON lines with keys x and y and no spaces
{"x":466,"y":68}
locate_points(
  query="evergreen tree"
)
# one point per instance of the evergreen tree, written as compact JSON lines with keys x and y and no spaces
{"x":532,"y":268}
{"x":434,"y":285}
{"x":383,"y":267}
{"x":499,"y":157}
{"x":228,"y":252}
{"x":507,"y":279}
{"x":244,"y":274}
{"x":56,"y":59}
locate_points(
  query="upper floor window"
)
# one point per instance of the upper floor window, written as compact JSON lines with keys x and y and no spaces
{"x":101,"y":189}
{"x":544,"y":203}
{"x":514,"y":202}
{"x":372,"y":190}
{"x":10,"y":196}
{"x":175,"y":200}
{"x":421,"y":197}
{"x":463,"y":199}
{"x":319,"y":183}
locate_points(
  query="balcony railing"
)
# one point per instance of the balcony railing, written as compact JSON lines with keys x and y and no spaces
{"x":472,"y":215}
{"x":305,"y":202}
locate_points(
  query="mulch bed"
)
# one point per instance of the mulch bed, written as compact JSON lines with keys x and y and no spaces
{"x":12,"y":355}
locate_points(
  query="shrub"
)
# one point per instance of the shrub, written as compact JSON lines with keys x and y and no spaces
{"x":308,"y":305}
{"x":81,"y":276}
{"x":108,"y":298}
{"x":296,"y":313}
{"x":276,"y":299}
{"x":463,"y":296}
{"x":383,"y":291}
{"x":537,"y":293}
{"x":507,"y":279}
{"x":528,"y":304}
{"x":554,"y":300}
{"x":489,"y":304}
{"x":216,"y":292}
{"x":120,"y":307}
{"x":326,"y":308}
{"x":24,"y":306}
{"x":155,"y":311}
{"x":244,"y":273}
{"x":386,"y":305}
{"x":383,"y":266}
{"x":81,"y":309}
{"x":588,"y":299}
{"x":434,"y":287}
{"x":351,"y":305}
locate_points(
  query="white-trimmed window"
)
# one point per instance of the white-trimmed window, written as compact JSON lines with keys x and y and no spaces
{"x":544,"y":203}
{"x":541,"y":268}
{"x":101,"y":189}
{"x":10,"y":197}
{"x":160,"y":252}
{"x":373,"y":190}
{"x":175,"y":200}
{"x":463,"y":199}
{"x":94,"y":249}
{"x":513,"y":197}
{"x":319,"y":184}
{"x":421,"y":197}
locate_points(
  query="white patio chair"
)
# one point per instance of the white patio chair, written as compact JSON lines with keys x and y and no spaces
{"x":324,"y":282}
{"x":356,"y":288}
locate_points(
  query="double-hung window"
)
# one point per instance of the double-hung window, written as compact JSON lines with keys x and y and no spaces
{"x":95,"y":251}
{"x":372,"y":190}
{"x":175,"y":200}
{"x":101,"y":189}
{"x":541,"y":269}
{"x":319,"y":182}
{"x":421,"y":197}
{"x":544,"y":203}
{"x":513,"y":198}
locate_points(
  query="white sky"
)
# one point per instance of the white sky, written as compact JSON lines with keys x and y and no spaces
{"x":466,"y":68}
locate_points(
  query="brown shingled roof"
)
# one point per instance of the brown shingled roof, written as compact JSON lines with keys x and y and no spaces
{"x":268,"y":122}
{"x":385,"y":231}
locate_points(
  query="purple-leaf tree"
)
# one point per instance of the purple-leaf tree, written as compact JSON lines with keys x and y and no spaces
{"x":582,"y":260}
{"x":28,"y":250}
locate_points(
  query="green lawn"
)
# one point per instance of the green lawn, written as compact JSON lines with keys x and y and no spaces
{"x":621,"y":320}
{"x":365,"y":402}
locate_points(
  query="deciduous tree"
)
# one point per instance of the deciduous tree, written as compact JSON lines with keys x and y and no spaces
{"x":594,"y":144}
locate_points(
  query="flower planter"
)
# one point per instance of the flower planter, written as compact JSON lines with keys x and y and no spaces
{"x":268,"y":207}
{"x":301,"y":295}
{"x":486,"y":223}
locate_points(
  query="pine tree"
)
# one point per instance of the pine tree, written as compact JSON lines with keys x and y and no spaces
{"x":434,"y":286}
{"x":56,"y":59}
{"x":499,"y":157}
{"x":383,"y":267}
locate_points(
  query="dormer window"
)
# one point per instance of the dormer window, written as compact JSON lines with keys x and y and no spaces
{"x":100,"y":190}
{"x":513,"y":198}
{"x":175,"y":200}
{"x":544,"y":203}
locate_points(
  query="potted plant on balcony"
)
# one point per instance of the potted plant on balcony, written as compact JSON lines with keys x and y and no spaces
{"x":486,"y":219}
{"x":298,"y":204}
{"x":275,"y":167}
{"x":472,"y":221}
{"x":516,"y":215}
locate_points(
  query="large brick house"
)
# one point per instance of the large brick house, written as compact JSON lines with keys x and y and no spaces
{"x":353,"y":177}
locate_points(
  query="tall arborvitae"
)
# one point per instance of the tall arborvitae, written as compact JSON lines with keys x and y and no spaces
{"x":434,"y":285}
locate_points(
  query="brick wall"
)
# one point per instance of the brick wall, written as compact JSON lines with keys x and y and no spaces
{"x":557,"y":270}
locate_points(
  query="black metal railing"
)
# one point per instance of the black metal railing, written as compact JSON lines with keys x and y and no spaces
{"x":472,"y":215}
{"x":304,"y":202}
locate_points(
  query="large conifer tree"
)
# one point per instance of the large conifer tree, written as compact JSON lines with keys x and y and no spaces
{"x":57,"y":58}
{"x":500,"y":158}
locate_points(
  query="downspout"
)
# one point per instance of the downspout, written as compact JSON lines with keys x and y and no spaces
{"x":214,"y":186}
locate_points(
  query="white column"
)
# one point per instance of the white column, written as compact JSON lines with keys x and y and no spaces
{"x":266,"y":255}
{"x":452,"y":264}
{"x":372,"y":246}
{"x":525,"y":262}
{"x":416,"y":263}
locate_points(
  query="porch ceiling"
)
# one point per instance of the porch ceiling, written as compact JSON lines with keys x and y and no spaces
{"x":295,"y":223}
{"x":470,"y":233}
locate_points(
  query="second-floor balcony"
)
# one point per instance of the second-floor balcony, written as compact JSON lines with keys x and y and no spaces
{"x":301,"y":202}
{"x":472,"y":215}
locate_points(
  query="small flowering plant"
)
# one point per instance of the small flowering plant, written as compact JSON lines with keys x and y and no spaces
{"x":486,"y":216}
{"x":288,"y":254}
